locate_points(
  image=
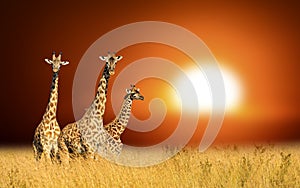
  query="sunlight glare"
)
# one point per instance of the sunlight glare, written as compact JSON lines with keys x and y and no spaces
{"x":201,"y":85}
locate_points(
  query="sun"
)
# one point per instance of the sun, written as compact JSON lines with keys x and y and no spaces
{"x":232,"y":85}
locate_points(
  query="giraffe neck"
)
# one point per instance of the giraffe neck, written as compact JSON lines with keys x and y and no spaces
{"x":98,"y":106}
{"x":106,"y":75}
{"x":52,"y":103}
{"x":123,"y":116}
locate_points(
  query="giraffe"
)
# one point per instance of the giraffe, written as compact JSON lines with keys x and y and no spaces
{"x":87,"y":136}
{"x":47,"y":132}
{"x":118,"y":125}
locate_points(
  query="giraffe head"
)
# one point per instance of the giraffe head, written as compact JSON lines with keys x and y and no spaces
{"x":56,"y":62}
{"x":134,"y":93}
{"x":111,"y":62}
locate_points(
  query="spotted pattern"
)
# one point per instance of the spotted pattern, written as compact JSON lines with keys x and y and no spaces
{"x":118,"y":125}
{"x":48,"y":131}
{"x":87,"y":137}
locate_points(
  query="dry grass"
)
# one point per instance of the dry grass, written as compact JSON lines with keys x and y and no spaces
{"x":222,"y":166}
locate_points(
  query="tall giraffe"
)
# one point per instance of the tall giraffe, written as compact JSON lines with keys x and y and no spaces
{"x":118,"y":125}
{"x":47,"y":132}
{"x":87,"y":135}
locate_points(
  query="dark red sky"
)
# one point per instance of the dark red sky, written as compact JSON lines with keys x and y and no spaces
{"x":259,"y":40}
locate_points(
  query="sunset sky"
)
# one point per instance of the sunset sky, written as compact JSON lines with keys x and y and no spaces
{"x":255,"y":44}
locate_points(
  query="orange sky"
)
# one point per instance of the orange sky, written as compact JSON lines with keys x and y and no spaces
{"x":259,"y":112}
{"x":258,"y":41}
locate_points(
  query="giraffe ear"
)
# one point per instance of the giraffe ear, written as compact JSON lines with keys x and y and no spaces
{"x":128,"y":91}
{"x":64,"y":62}
{"x":103,"y":58}
{"x":119,"y":57}
{"x":48,"y":61}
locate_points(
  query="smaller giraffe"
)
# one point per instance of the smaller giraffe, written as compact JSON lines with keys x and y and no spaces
{"x":47,"y":132}
{"x":118,"y":125}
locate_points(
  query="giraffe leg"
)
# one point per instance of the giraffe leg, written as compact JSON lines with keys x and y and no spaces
{"x":37,"y":154}
{"x":78,"y":148}
{"x":55,"y":154}
{"x":74,"y":148}
{"x":89,"y":152}
{"x":47,"y":152}
{"x":37,"y":149}
{"x":63,"y":150}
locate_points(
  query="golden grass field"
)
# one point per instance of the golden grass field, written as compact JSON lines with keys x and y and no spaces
{"x":219,"y":166}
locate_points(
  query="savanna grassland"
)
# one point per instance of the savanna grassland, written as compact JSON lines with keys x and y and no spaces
{"x":219,"y":166}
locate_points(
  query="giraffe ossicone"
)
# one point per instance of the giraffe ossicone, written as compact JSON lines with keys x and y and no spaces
{"x":47,"y":132}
